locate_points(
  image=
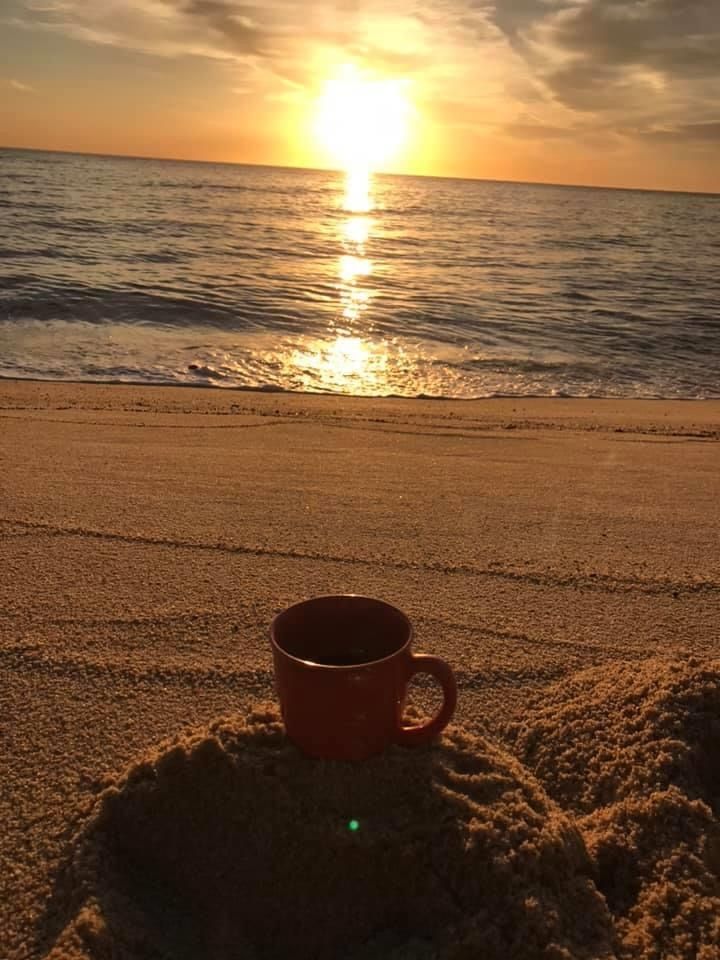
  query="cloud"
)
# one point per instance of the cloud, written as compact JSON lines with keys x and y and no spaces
{"x":515,"y":17}
{"x":266,"y":44}
{"x":615,"y":54}
{"x":288,"y":39}
{"x":705,"y":133}
{"x":237,"y":29}
{"x":232,"y":22}
{"x":23,"y":87}
{"x":638,"y":64}
{"x":643,"y":69}
{"x":539,"y":131}
{"x":678,"y":37}
{"x":210,"y":28}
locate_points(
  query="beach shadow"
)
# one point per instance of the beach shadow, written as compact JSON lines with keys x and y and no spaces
{"x":231,"y":844}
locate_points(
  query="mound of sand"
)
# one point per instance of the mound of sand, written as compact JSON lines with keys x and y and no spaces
{"x":230,"y":844}
{"x":634,"y":753}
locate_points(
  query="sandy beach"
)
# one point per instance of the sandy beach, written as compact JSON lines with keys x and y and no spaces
{"x":148,"y":536}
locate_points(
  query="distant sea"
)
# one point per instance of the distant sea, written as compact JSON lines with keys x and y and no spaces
{"x":172,"y":272}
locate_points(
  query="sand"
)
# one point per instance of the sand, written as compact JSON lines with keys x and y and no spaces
{"x":633,"y":756}
{"x":562,"y":555}
{"x":231,"y":843}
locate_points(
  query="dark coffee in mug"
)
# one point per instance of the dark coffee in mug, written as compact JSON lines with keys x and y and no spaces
{"x":352,"y":657}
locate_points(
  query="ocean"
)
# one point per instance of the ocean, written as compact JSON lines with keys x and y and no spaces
{"x":172,"y":272}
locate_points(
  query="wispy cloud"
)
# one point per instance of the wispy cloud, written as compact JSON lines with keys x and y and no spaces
{"x":208,"y":28}
{"x":653,"y":62}
{"x":687,"y":133}
{"x":18,"y":85}
{"x":534,"y":68}
{"x":266,"y":43}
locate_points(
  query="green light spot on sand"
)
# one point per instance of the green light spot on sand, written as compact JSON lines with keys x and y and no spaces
{"x":353,"y":825}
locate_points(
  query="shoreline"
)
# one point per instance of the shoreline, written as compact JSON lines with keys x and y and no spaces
{"x":369,"y":398}
{"x":691,"y":419}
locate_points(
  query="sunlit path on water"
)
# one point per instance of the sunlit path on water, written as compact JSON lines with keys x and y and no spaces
{"x":350,"y":359}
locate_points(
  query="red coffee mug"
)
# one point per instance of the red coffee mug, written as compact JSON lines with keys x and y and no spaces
{"x":342,"y":666}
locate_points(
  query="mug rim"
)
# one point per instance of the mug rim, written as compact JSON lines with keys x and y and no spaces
{"x":335,"y":666}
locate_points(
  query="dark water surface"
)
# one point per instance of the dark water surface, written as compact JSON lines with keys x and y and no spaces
{"x":175,"y":272}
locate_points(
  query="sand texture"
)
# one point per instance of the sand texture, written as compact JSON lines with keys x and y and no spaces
{"x":562,"y":555}
{"x":458,"y":851}
{"x":633,"y":755}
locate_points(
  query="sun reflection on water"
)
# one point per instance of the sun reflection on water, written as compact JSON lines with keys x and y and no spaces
{"x":358,"y":190}
{"x":351,"y":268}
{"x":349,"y":359}
{"x":357,"y":230}
{"x":343,"y":363}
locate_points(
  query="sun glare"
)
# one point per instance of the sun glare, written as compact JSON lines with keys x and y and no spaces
{"x":358,"y":198}
{"x":343,"y":361}
{"x":362,"y":121}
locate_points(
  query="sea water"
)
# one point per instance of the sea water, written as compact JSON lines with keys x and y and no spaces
{"x":173,"y":272}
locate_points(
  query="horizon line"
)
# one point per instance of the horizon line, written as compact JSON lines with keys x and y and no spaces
{"x":340,"y":171}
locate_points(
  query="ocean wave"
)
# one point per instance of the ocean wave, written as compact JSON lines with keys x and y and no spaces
{"x":342,"y":364}
{"x":257,"y":278}
{"x":150,"y":381}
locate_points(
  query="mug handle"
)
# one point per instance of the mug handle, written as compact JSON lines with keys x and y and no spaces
{"x":424,"y":663}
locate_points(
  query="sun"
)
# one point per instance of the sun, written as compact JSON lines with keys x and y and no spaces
{"x":362,"y":121}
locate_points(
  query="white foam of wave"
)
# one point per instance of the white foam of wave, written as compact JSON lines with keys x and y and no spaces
{"x":339,"y":362}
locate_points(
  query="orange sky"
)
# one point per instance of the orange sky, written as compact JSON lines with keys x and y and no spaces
{"x":612,"y":92}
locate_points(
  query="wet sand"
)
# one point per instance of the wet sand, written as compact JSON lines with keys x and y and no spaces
{"x":147,"y":537}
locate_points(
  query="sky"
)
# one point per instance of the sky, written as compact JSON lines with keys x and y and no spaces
{"x":601,"y":92}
